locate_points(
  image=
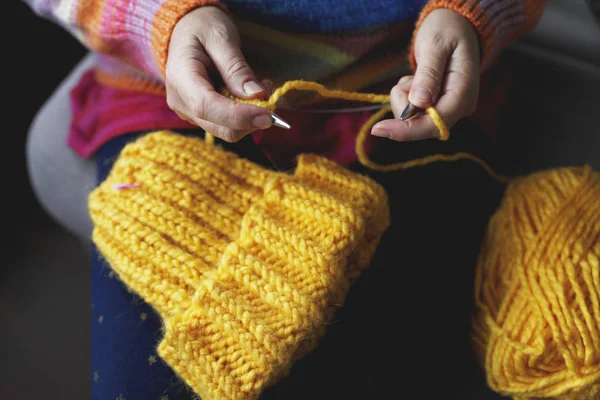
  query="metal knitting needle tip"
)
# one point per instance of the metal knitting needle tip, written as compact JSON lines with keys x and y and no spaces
{"x":278,"y":121}
{"x":409,"y":112}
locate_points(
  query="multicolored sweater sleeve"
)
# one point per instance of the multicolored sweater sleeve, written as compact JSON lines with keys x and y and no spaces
{"x":137,"y":32}
{"x":318,"y":41}
{"x":497,"y":22}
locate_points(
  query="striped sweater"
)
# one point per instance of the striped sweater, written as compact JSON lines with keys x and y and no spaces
{"x":349,"y":44}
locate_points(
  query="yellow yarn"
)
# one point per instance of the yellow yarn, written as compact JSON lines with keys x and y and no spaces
{"x":164,"y":236}
{"x":271,"y":102}
{"x":526,"y":355}
{"x":364,"y":159}
{"x":243,"y":264}
{"x":289,"y":86}
{"x":444,"y":133}
{"x":537,"y":321}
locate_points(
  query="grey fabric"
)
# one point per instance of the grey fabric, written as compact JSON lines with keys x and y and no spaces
{"x":569,"y":28}
{"x":61,"y":180}
{"x":595,"y":7}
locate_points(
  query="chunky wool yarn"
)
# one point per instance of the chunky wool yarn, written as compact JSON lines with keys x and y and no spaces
{"x":244,"y":265}
{"x":247,"y":265}
{"x":536,"y":327}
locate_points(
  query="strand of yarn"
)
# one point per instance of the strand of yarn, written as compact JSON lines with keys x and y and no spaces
{"x":443,"y":131}
{"x":363,"y":133}
{"x":536,"y":323}
{"x":308,"y":86}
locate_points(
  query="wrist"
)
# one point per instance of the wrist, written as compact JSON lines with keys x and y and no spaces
{"x":164,"y":22}
{"x":472,"y":13}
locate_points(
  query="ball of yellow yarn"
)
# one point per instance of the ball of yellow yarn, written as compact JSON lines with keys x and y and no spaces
{"x":536,"y":326}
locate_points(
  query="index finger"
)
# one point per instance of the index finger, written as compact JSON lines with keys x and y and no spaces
{"x":204,"y":103}
{"x":419,"y":128}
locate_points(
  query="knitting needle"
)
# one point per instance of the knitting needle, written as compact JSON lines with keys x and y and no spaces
{"x":278,"y":121}
{"x":337,"y":110}
{"x":409,"y":112}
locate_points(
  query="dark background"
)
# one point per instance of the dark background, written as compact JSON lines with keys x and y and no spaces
{"x":42,"y":335}
{"x":44,"y":325}
{"x":37,"y":57}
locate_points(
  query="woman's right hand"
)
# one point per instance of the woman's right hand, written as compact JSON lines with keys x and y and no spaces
{"x":202,"y":40}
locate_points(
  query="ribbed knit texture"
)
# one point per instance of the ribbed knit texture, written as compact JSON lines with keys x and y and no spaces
{"x":245,"y":265}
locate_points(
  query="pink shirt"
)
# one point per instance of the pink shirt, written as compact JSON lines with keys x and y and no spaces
{"x":101,"y":113}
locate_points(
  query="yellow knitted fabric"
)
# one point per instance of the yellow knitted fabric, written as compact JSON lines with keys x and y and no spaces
{"x":538,"y":287}
{"x":247,"y":265}
{"x":537,"y":321}
{"x":165,"y":236}
{"x":242,"y":263}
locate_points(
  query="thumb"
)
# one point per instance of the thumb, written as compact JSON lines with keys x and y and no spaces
{"x":431,"y":65}
{"x":237,"y":75}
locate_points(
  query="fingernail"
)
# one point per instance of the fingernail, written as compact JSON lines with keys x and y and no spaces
{"x":380,"y":132}
{"x":421,"y":95}
{"x":262,"y":121}
{"x":252,"y":87}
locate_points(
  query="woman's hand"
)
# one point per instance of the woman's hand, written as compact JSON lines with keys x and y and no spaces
{"x":447,"y":76}
{"x":202,"y":40}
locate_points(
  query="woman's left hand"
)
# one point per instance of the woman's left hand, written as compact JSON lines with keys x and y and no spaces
{"x":447,"y":53}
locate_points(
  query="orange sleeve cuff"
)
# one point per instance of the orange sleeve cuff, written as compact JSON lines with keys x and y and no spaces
{"x":497,"y":22}
{"x":164,"y":22}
